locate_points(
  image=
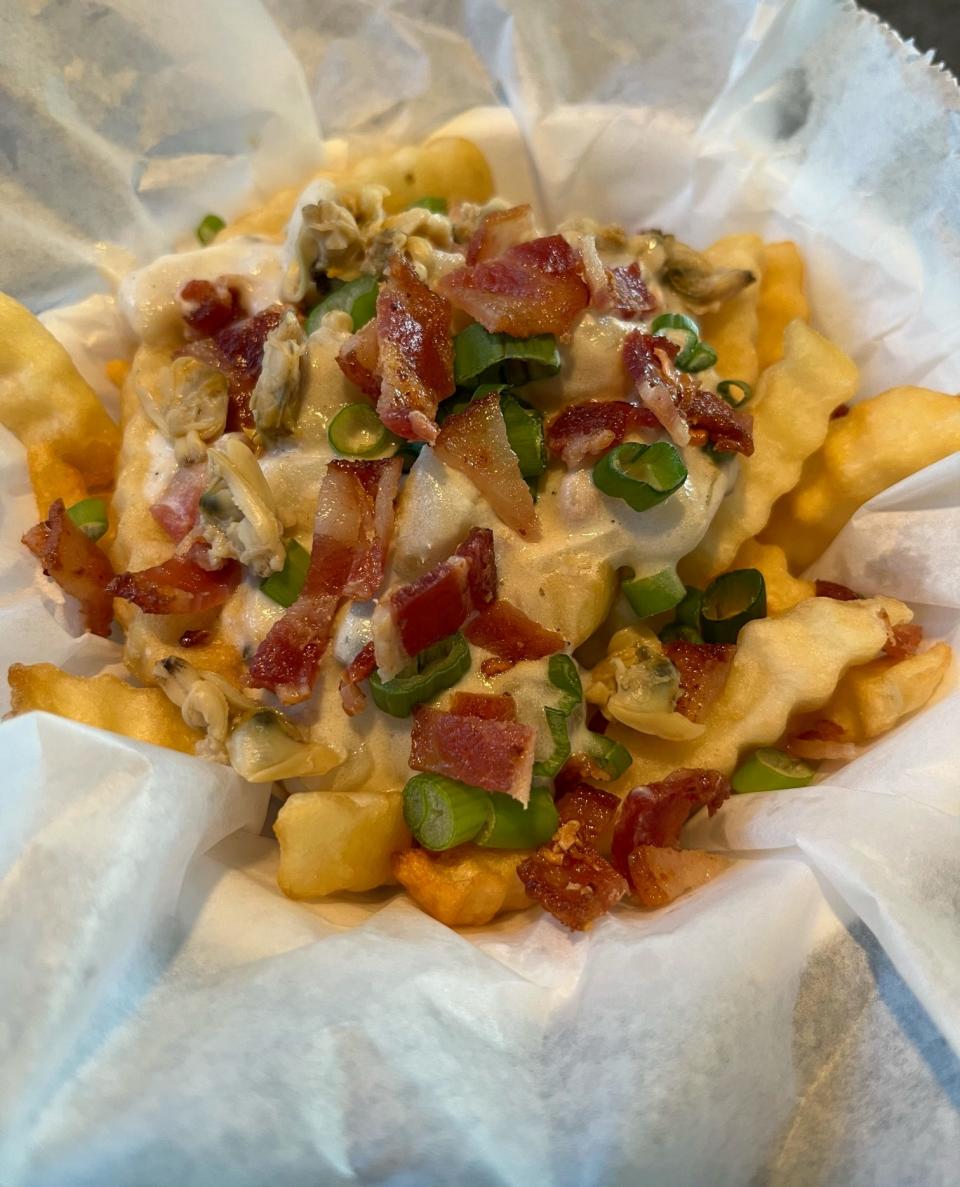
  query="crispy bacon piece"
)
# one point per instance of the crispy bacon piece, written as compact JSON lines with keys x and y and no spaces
{"x":177,"y":508}
{"x":350,"y":537}
{"x":627,"y":295}
{"x":702,"y":668}
{"x":237,"y":351}
{"x":488,"y":705}
{"x":823,"y":739}
{"x":571,"y":880}
{"x":412,"y":617}
{"x":496,"y":755}
{"x":416,"y":352}
{"x":678,"y":402}
{"x":178,"y":586}
{"x":840,"y":411}
{"x":655,"y":815}
{"x":78,"y":566}
{"x":658,"y":876}
{"x":209,"y":306}
{"x":592,"y":807}
{"x":508,"y":633}
{"x":474,"y":442}
{"x":361,"y":667}
{"x":533,"y":288}
{"x":832,"y":589}
{"x":195,"y":638}
{"x":359,"y":360}
{"x":498,"y":231}
{"x":904,"y":641}
{"x":589,"y":429}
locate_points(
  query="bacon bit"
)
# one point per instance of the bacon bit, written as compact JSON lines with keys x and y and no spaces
{"x":580,"y":767}
{"x":178,"y":586}
{"x":823,"y":739}
{"x":489,"y":706}
{"x":655,"y":815}
{"x":496,"y":755}
{"x":658,"y":876}
{"x":571,"y":880}
{"x":78,"y":566}
{"x":361,"y":667}
{"x":591,"y":806}
{"x":177,"y":508}
{"x":629,"y":298}
{"x":412,"y":617}
{"x":416,"y":352}
{"x":682,"y":397}
{"x":831,"y":589}
{"x":840,"y":411}
{"x":904,"y":641}
{"x":359,"y":360}
{"x":702,"y":668}
{"x":350,"y":536}
{"x":209,"y":306}
{"x":589,"y":429}
{"x":194,"y":638}
{"x":533,"y":288}
{"x":495,"y":667}
{"x":498,"y":231}
{"x":474,"y":442}
{"x":508,"y":633}
{"x":237,"y":351}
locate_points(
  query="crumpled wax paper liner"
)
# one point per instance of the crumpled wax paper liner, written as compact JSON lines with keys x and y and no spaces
{"x":166,"y":1015}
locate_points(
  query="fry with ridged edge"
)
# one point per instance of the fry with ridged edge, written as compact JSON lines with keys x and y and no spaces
{"x":732,"y":329}
{"x":781,"y":299}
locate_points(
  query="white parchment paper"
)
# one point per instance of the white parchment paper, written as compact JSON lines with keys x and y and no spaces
{"x":165,"y":1015}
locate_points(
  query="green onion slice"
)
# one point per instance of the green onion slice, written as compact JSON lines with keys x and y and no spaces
{"x":428,"y":674}
{"x":90,"y":516}
{"x":514,"y":826}
{"x":284,"y":587}
{"x":641,"y":475}
{"x":695,"y":355}
{"x":771,"y":770}
{"x":481,"y":357}
{"x":557,"y":724}
{"x":652,"y":595}
{"x":434,"y":205}
{"x":562,"y":673}
{"x":678,"y":632}
{"x":730,"y":602}
{"x":442,"y":812}
{"x":209,"y":228}
{"x":724,"y":391}
{"x":357,"y":431}
{"x":524,"y":434}
{"x":688,"y":610}
{"x":356,"y":297}
{"x":612,"y":756}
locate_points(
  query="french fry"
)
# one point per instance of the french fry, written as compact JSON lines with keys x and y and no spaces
{"x":783,"y":666}
{"x":732,"y":329}
{"x":784,"y":590}
{"x":44,"y":402}
{"x":464,"y":887}
{"x":449,"y":167}
{"x":791,"y":415}
{"x":878,"y":443}
{"x":103,"y":701}
{"x":338,"y":840}
{"x":781,"y":299}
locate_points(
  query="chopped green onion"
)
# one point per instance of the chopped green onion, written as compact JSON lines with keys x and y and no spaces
{"x":688,"y":610}
{"x":557,"y":724}
{"x":641,"y":475}
{"x":771,"y":770}
{"x":356,"y":297}
{"x":678,"y":632}
{"x":562,"y":673}
{"x":723,"y":390}
{"x":612,"y":756}
{"x":90,"y":516}
{"x":442,"y":812}
{"x":357,"y":431}
{"x":514,"y":826}
{"x":695,"y":355}
{"x":730,"y":602}
{"x":429,"y":673}
{"x":434,"y":205}
{"x":481,"y":357}
{"x":525,"y":435}
{"x":652,"y":595}
{"x":209,"y":228}
{"x":284,"y":587}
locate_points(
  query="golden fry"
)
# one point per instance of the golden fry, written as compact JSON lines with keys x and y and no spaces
{"x":449,"y":167}
{"x":103,"y":701}
{"x":338,"y":840}
{"x":781,"y":299}
{"x":784,"y":590}
{"x":47,"y":405}
{"x":732,"y":329}
{"x":464,"y":887}
{"x":791,"y":414}
{"x":878,"y":443}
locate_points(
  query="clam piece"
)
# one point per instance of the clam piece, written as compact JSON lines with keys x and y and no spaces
{"x":188,"y":405}
{"x":702,"y":285}
{"x":206,"y":702}
{"x":266,"y":747}
{"x":275,"y":401}
{"x":332,"y":234}
{"x":238,"y":512}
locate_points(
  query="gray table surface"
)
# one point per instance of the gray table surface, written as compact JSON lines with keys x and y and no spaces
{"x":933,"y":24}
